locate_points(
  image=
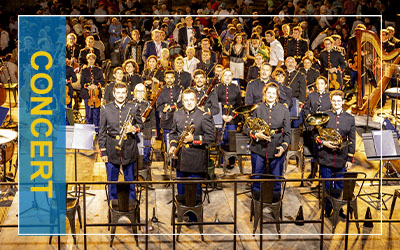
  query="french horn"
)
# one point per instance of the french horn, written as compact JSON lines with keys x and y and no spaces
{"x":254,"y":123}
{"x":328,"y":134}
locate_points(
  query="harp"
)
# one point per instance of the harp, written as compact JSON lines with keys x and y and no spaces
{"x":375,"y":67}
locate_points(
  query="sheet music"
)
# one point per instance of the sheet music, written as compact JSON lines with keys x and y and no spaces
{"x":83,"y":136}
{"x":384,"y":143}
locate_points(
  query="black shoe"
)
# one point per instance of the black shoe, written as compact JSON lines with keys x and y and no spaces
{"x":341,"y":214}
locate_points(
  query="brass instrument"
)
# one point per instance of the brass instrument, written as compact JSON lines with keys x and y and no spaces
{"x":329,"y":134}
{"x":189,"y":130}
{"x":254,"y":123}
{"x":123,"y":134}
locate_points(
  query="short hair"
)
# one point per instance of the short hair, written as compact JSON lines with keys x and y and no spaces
{"x":189,"y":91}
{"x":336,"y":37}
{"x":206,"y":51}
{"x":205,"y":40}
{"x":271,"y":85}
{"x":390,"y":28}
{"x":290,"y":57}
{"x":71,"y":34}
{"x":328,"y":38}
{"x":135,"y":65}
{"x":323,"y":78}
{"x":120,"y":85}
{"x":116,"y":69}
{"x":298,"y":28}
{"x":306,"y":58}
{"x":199,"y":72}
{"x":278,"y":71}
{"x":361,"y":26}
{"x":269,"y":32}
{"x":336,"y":93}
{"x":135,"y":31}
{"x":219,"y":66}
{"x":189,"y":48}
{"x":179,"y":58}
{"x":125,"y":31}
{"x":151,"y":57}
{"x":255,"y":36}
{"x":154,"y":32}
{"x":89,"y":37}
{"x":90,"y":55}
{"x":169,"y":71}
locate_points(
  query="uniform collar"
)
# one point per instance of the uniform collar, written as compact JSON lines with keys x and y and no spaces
{"x":169,"y":86}
{"x":270,"y":105}
{"x":190,"y":112}
{"x":118,"y":107}
{"x":337,"y":113}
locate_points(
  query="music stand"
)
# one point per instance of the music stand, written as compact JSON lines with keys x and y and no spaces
{"x":79,"y":137}
{"x":10,"y":123}
{"x":380,"y":145}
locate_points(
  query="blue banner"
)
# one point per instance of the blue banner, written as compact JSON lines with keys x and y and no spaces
{"x":42,"y":165}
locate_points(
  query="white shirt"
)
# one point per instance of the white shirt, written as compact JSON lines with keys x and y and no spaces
{"x":158,"y":49}
{"x":190,"y":65}
{"x":189,"y":34}
{"x":276,"y":53}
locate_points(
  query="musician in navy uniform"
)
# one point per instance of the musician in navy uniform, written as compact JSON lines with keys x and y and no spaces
{"x":228,"y":94}
{"x":206,"y":64}
{"x":310,"y":73}
{"x":118,"y":74}
{"x":182,"y":78}
{"x":149,"y":132}
{"x":317,"y":101}
{"x":297,"y":46}
{"x":168,"y":102}
{"x":332,"y":61}
{"x":91,"y":79}
{"x":254,"y":89}
{"x":297,"y":82}
{"x":112,"y":120}
{"x":211,"y":104}
{"x":131,"y":70}
{"x":72,"y":48}
{"x":254,"y":70}
{"x":192,"y":157}
{"x":267,"y":152}
{"x":87,"y":50}
{"x":332,"y":159}
{"x":285,"y":92}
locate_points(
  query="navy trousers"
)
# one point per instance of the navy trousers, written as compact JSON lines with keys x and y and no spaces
{"x":92,"y":115}
{"x":327,"y":172}
{"x":112,"y":175}
{"x":258,"y":166}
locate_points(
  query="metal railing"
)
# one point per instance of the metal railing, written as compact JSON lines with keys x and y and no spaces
{"x":235,"y":182}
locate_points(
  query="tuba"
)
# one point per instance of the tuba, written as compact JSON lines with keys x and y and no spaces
{"x":254,"y":123}
{"x":328,"y":134}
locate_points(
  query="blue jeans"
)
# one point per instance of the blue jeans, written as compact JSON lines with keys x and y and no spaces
{"x":112,"y":175}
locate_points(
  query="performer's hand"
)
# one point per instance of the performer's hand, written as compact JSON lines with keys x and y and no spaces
{"x":261,"y":136}
{"x":329,"y":144}
{"x":171,"y":150}
{"x":92,"y":86}
{"x":188,"y":138}
{"x":332,"y":70}
{"x":348,"y":165}
{"x":166,"y":108}
{"x":147,"y":82}
{"x":229,"y":118}
{"x":105,"y":158}
{"x":143,"y":119}
{"x":280,"y":151}
{"x":155,"y":80}
{"x":153,"y":140}
{"x":131,"y":129}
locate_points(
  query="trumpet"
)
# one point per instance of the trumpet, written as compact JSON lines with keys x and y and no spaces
{"x":189,"y":130}
{"x":123,"y":135}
